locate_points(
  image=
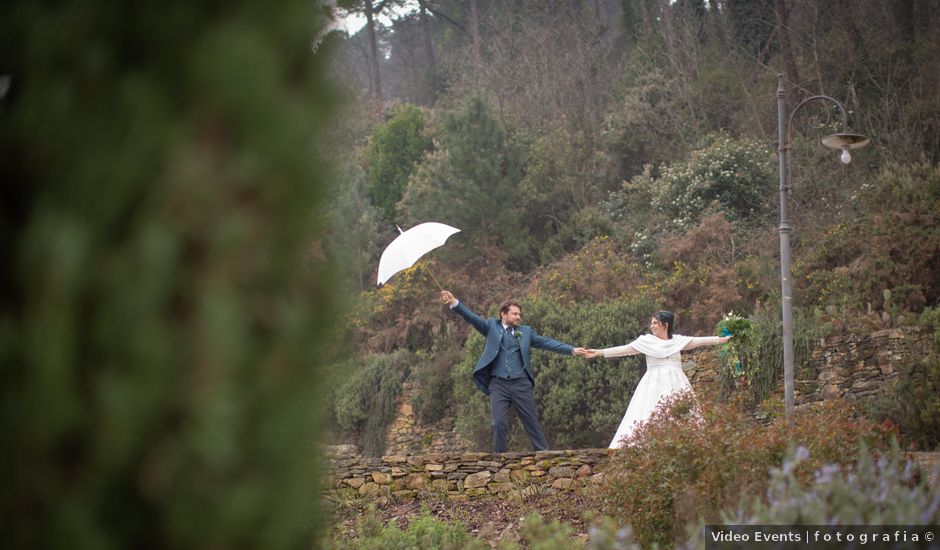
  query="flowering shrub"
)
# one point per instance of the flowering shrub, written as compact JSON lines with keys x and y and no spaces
{"x":683,"y":468}
{"x":879,"y":490}
{"x":734,"y":172}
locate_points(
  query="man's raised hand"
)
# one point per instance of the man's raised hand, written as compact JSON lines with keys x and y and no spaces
{"x":448,"y":298}
{"x":580,"y":352}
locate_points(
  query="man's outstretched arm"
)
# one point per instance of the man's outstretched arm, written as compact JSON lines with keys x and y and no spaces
{"x":475,"y":320}
{"x":549,"y":344}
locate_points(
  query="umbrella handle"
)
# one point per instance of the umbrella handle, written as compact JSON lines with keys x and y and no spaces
{"x":435,"y":280}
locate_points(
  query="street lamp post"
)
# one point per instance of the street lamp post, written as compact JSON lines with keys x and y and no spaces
{"x":843,"y":142}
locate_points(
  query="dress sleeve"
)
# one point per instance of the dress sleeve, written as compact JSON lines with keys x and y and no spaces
{"x":699,"y":341}
{"x":620,"y":351}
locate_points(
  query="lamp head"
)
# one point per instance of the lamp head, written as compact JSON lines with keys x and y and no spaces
{"x":845,"y":143}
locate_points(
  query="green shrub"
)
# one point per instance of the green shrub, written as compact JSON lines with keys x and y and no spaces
{"x":396,"y":315}
{"x":598,"y":272}
{"x":435,"y":387}
{"x":914,"y":403}
{"x":539,"y":535}
{"x":367,"y":394}
{"x":606,"y":534}
{"x":424,"y":532}
{"x":395,"y":149}
{"x":851,"y":264}
{"x":879,"y":489}
{"x":685,"y":467}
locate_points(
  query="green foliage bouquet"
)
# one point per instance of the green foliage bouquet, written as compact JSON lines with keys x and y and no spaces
{"x":736,"y":351}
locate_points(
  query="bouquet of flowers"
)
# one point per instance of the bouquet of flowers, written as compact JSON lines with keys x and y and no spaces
{"x":735,"y":351}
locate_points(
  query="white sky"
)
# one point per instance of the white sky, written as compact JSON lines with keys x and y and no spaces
{"x":352,"y":23}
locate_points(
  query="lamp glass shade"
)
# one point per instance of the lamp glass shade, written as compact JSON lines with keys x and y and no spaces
{"x":845,"y":141}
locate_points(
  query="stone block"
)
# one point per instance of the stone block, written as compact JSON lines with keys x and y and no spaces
{"x":443,"y":485}
{"x":417,"y":482}
{"x":502,"y":476}
{"x":382,"y":478}
{"x":479,"y":479}
{"x":355,"y":482}
{"x":561,"y":471}
{"x":519,"y":476}
{"x":563,"y":483}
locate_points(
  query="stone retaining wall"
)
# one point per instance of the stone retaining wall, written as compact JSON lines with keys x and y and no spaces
{"x":460,"y":476}
{"x":856,"y":367}
{"x":464,"y":476}
{"x":407,"y":436}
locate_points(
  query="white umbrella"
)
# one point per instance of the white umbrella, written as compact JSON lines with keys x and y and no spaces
{"x":408,"y":247}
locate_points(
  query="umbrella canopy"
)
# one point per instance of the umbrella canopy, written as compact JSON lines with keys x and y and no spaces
{"x":408,"y":247}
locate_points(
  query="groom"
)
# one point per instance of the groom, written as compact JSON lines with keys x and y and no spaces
{"x":503,"y":371}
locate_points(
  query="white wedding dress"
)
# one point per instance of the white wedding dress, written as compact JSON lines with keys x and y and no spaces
{"x":663,"y":378}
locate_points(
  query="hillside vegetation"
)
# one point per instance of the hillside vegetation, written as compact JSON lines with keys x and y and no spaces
{"x":604,"y":160}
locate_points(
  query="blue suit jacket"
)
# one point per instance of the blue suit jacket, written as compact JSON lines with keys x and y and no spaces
{"x":493,"y":330}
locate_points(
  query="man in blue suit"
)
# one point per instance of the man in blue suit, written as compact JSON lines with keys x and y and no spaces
{"x":504,"y":371}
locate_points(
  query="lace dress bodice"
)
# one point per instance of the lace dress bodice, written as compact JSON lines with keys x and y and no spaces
{"x":674,"y":360}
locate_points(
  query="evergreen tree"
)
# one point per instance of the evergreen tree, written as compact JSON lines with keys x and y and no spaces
{"x":159,"y":331}
{"x":471,"y":181}
{"x":395,"y":148}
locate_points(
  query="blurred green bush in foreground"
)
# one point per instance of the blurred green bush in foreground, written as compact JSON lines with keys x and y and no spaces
{"x":160,"y":327}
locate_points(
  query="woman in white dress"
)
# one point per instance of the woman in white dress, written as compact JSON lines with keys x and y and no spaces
{"x":664,"y":376}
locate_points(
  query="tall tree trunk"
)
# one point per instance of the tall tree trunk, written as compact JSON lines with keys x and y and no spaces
{"x":426,"y":35}
{"x":782,"y":15}
{"x":588,"y":31}
{"x":475,"y":37}
{"x":374,"y":82}
{"x":857,"y":40}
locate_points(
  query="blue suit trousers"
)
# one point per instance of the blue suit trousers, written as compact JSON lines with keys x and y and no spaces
{"x":518,"y":394}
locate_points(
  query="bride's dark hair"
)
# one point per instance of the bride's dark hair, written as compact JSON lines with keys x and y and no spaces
{"x":668,"y":319}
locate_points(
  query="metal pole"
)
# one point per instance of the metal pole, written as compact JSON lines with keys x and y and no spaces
{"x":786,"y":301}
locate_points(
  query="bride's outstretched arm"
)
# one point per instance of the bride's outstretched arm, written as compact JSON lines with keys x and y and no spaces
{"x":699,"y":341}
{"x":618,"y":351}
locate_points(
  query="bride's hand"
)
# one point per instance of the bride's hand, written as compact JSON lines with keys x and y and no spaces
{"x":592,"y":353}
{"x":724,"y":339}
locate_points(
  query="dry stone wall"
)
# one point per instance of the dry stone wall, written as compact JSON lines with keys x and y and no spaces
{"x":460,"y":476}
{"x":407,"y":436}
{"x":856,"y":367}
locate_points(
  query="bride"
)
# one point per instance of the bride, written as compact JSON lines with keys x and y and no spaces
{"x":664,"y":376}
